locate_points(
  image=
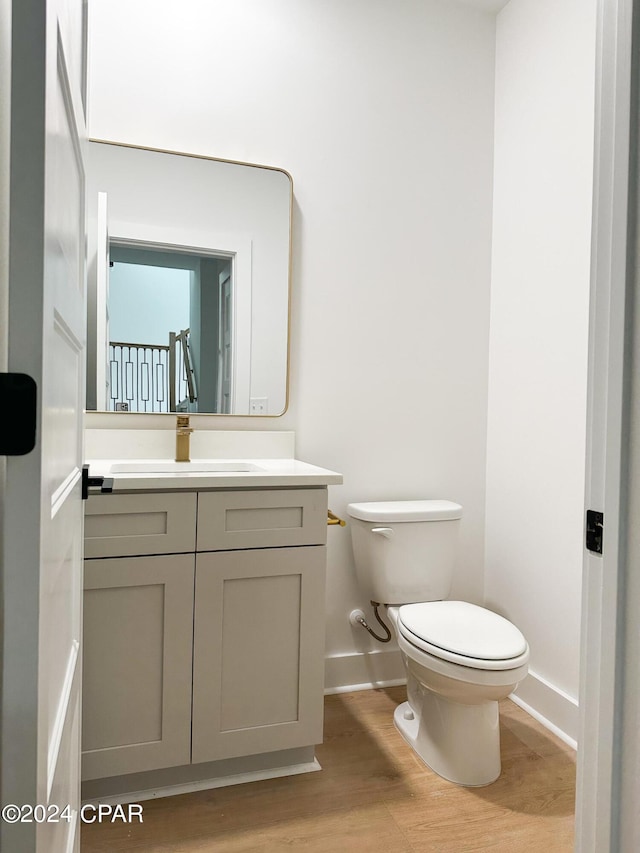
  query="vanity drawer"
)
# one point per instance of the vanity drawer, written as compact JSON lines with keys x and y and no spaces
{"x":229,"y":520}
{"x":130,"y":525}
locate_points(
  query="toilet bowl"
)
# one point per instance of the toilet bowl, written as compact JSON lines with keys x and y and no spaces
{"x":460,"y":659}
{"x":451,"y":716}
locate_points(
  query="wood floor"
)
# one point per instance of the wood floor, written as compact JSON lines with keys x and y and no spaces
{"x":372,"y":795}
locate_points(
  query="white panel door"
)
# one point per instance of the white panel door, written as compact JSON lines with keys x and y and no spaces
{"x":41,"y":546}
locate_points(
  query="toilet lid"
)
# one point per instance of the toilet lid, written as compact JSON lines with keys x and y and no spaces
{"x":461,"y":629}
{"x":389,"y":512}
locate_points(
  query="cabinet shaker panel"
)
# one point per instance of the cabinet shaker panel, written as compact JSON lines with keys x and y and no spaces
{"x":258,"y":651}
{"x":127,"y":525}
{"x":261,"y":518}
{"x":138,"y":620}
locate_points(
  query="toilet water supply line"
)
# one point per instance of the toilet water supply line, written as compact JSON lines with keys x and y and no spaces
{"x":356,"y":617}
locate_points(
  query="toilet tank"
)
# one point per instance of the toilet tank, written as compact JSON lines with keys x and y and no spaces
{"x":405,"y":550}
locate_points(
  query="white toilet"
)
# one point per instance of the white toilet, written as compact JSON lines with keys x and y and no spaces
{"x":460,"y":658}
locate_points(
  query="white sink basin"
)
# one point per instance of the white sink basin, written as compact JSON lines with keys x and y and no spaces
{"x":168,"y":467}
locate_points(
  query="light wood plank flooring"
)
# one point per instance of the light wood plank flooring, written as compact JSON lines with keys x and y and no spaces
{"x":372,"y":795}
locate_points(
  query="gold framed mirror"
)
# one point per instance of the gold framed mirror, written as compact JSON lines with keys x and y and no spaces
{"x":189,"y":283}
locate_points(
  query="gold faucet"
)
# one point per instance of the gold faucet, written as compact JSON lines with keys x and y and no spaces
{"x":183,"y":434}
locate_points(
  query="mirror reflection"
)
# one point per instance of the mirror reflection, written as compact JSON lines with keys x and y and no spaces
{"x":169,"y":331}
{"x":189,"y":262}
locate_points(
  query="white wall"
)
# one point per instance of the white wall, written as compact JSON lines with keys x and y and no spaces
{"x":383,"y":114}
{"x":545,"y":67}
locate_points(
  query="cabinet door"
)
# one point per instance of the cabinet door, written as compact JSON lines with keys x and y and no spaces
{"x":258,"y":651}
{"x":138,"y":624}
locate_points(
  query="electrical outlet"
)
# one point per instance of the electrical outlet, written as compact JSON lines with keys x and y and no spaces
{"x":258,"y":405}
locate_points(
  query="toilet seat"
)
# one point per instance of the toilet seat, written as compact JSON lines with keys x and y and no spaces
{"x":463,"y":633}
{"x":469,"y":675}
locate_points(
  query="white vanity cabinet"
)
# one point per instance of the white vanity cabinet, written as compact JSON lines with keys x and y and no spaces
{"x":203,"y":628}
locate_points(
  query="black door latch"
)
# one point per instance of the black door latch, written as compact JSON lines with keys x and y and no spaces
{"x":18,"y":433}
{"x":595,"y":529}
{"x":105,"y":484}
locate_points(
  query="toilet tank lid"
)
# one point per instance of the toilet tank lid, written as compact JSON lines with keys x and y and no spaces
{"x":397,"y":511}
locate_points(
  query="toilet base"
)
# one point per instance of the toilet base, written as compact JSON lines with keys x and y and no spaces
{"x":459,"y":742}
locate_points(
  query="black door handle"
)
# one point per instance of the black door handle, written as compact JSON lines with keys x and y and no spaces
{"x":104,"y":483}
{"x":18,"y":433}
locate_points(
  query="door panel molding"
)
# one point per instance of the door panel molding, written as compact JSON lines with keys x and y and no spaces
{"x":61,"y":714}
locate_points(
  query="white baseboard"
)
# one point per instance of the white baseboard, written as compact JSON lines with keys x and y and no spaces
{"x":344,"y":673}
{"x":548,"y":704}
{"x":204,"y":784}
{"x":552,"y":707}
{"x":353,"y":688}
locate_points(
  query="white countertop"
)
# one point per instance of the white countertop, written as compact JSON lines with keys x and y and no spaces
{"x":266,"y":473}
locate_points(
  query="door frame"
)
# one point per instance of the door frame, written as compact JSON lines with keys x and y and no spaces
{"x":238,"y":250}
{"x":602,"y":823}
{"x":5,"y":124}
